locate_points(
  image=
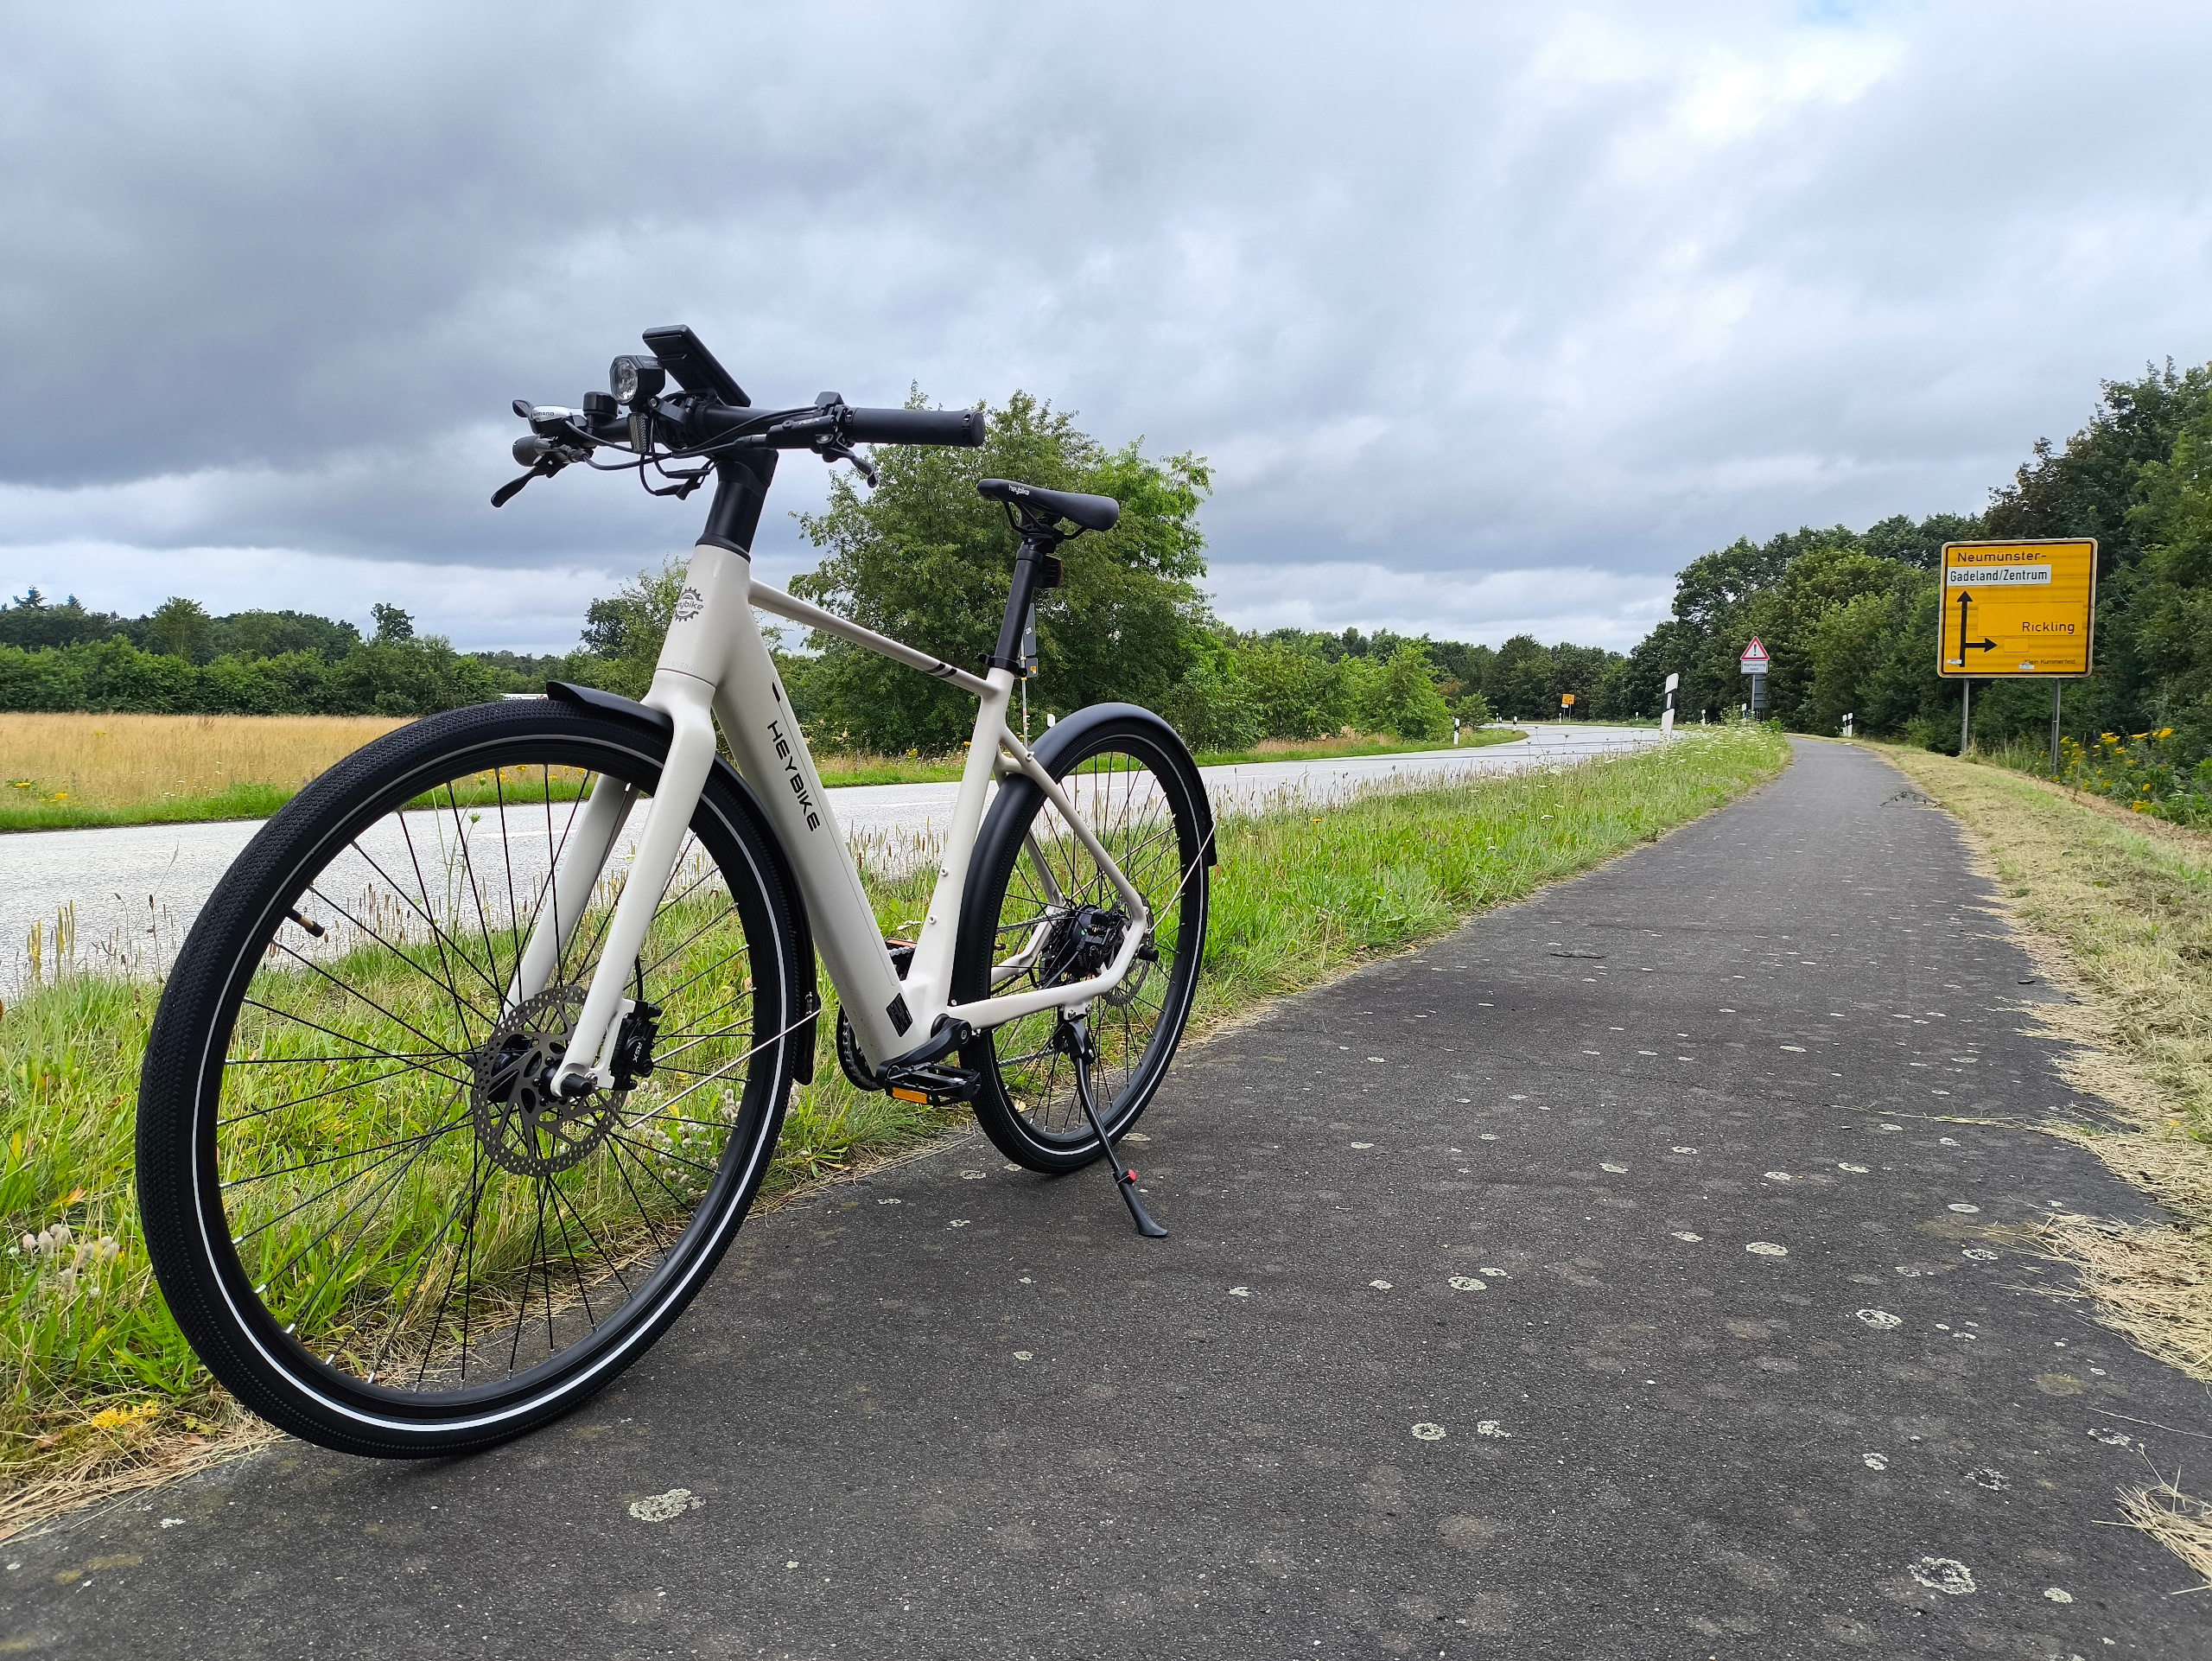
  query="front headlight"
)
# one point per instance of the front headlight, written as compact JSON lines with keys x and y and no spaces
{"x":634,"y":380}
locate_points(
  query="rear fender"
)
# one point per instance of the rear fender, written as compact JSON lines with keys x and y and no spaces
{"x":1017,"y":798}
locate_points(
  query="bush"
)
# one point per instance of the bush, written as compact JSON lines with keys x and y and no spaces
{"x":1213,"y":708}
{"x":2144,"y":770}
{"x":1402,"y":697}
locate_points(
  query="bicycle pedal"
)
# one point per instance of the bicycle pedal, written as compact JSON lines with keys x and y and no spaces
{"x":933,"y":1083}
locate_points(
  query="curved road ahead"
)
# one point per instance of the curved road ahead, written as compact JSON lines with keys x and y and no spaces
{"x":126,"y":880}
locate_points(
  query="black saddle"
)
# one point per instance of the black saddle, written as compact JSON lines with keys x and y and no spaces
{"x":1035,"y":502}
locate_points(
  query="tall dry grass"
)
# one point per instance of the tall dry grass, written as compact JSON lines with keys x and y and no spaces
{"x":119,"y":763}
{"x":2117,"y":908}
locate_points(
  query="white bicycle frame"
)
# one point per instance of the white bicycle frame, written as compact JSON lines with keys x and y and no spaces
{"x":714,"y":666}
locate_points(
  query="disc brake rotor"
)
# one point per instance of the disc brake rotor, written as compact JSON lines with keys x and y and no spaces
{"x":521,"y":1124}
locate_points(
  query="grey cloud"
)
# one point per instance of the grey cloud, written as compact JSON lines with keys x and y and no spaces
{"x":1446,"y":294}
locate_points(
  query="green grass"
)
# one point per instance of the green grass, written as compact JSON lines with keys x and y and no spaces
{"x":93,"y":1373}
{"x":238,"y":802}
{"x":1326,"y":749}
{"x":260,"y":802}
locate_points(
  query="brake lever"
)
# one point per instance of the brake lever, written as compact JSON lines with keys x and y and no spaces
{"x":552,"y":456}
{"x":546,"y":468}
{"x":833,"y":450}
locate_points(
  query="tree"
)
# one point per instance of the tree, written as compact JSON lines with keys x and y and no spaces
{"x":1213,"y":708}
{"x":623,"y":634}
{"x":1298,"y":691}
{"x":926,"y":560}
{"x":1403,"y":698}
{"x":1519,"y":684}
{"x":1921,"y":545}
{"x":393,"y":625}
{"x":180,"y":628}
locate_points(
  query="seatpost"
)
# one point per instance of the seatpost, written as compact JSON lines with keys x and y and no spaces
{"x":1037,"y":566}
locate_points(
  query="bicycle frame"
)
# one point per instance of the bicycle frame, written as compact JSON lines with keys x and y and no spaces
{"x":714,"y":666}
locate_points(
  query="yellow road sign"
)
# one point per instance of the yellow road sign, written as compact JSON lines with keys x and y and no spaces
{"x":2017,"y":609}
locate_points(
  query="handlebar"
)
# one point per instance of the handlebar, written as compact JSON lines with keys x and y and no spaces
{"x":824,"y":425}
{"x":960,"y":428}
{"x":710,"y":419}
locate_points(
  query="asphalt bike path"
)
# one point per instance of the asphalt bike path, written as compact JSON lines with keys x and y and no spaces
{"x":1600,"y":1281}
{"x":122,"y":882}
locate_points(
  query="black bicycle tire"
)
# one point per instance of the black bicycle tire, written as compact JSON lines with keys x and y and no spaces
{"x":179,"y":1195}
{"x":991,"y":870}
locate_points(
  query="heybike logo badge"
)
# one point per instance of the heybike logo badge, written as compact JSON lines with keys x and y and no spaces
{"x":688,"y":604}
{"x":791,"y":776}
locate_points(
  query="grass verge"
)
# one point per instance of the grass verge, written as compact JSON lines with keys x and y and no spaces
{"x":98,"y":1389}
{"x":2117,"y":907}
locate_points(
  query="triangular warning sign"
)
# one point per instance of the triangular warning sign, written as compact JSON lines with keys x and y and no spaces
{"x":1756,"y":652}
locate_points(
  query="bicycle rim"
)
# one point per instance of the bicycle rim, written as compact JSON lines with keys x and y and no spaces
{"x":1134,"y":805}
{"x":411,"y":1225}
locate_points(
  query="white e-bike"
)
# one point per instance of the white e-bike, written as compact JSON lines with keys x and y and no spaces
{"x":473,"y":1064}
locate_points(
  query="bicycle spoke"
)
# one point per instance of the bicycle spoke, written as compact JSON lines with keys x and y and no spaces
{"x":410,"y":1200}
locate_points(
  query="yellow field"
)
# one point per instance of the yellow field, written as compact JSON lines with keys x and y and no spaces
{"x":123,"y":762}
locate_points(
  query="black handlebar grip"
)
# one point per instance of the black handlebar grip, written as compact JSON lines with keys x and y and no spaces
{"x":960,"y":428}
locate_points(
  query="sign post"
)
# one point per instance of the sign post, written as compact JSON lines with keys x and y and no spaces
{"x":1756,"y":662}
{"x":1667,"y":715}
{"x":1566,"y":705}
{"x":2017,"y":611}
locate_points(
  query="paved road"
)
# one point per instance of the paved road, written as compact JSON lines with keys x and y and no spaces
{"x":1597,"y":1283}
{"x":136,"y":888}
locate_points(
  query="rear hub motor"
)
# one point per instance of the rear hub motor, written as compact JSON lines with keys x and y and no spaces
{"x":1084,"y":943}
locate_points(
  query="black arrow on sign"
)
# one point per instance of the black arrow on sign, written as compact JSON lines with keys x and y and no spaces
{"x":1966,"y":598}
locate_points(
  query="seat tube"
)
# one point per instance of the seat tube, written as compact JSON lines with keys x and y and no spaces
{"x":930,"y":976}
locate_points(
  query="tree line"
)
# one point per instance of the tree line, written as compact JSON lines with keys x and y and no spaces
{"x":920,"y":557}
{"x":1852,"y":617}
{"x":179,"y":659}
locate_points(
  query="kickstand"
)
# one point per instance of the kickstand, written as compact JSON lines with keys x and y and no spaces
{"x":1083,"y":1052}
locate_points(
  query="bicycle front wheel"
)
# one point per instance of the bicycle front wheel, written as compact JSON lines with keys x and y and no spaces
{"x":1046,"y":913}
{"x":375,"y":1224}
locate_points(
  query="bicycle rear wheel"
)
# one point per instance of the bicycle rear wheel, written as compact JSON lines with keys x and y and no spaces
{"x":374,"y":1223}
{"x":1046,"y":913}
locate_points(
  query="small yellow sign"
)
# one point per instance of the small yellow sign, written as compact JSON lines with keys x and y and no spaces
{"x":1567,"y":700}
{"x":2017,"y":609}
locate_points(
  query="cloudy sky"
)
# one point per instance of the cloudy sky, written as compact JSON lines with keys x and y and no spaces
{"x":1488,"y":317}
